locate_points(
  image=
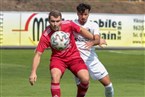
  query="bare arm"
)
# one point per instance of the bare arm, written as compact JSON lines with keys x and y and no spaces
{"x":85,"y":33}
{"x":36,"y":61}
{"x":101,"y":44}
{"x":97,"y":40}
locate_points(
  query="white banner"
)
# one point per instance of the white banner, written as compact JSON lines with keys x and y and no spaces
{"x":25,"y":28}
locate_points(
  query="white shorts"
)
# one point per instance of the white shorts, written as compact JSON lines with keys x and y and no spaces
{"x":96,"y":68}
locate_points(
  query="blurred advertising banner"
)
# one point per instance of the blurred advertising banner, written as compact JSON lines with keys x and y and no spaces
{"x":22,"y":29}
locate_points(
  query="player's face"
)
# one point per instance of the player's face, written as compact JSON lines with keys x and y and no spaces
{"x":83,"y":16}
{"x":55,"y":23}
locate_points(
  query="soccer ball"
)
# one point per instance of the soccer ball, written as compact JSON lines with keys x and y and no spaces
{"x":59,"y":40}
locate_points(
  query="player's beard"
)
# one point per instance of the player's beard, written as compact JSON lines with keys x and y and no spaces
{"x":82,"y":21}
{"x":56,"y":28}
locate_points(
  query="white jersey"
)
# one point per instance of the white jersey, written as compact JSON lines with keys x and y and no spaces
{"x":80,"y":40}
{"x":95,"y":67}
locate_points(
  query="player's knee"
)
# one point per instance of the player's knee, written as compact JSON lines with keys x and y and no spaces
{"x":85,"y":79}
{"x":83,"y":75}
{"x":55,"y":79}
{"x":55,"y":75}
{"x":105,"y":80}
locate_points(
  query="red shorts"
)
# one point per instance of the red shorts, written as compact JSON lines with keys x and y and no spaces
{"x":73,"y":65}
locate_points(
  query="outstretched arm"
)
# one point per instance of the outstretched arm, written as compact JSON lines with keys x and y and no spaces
{"x":85,"y":33}
{"x":89,"y":44}
{"x":36,"y":61}
{"x":102,"y":42}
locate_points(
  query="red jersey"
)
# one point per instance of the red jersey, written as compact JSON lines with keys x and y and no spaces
{"x":66,"y":54}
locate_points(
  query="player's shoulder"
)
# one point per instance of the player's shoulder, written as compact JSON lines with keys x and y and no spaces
{"x":66,"y":22}
{"x":47,"y":31}
{"x":92,"y":24}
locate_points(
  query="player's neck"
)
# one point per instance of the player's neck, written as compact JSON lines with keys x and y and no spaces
{"x":80,"y":22}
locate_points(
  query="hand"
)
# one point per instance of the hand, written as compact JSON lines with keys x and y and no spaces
{"x":102,"y":42}
{"x":89,"y":44}
{"x":32,"y":78}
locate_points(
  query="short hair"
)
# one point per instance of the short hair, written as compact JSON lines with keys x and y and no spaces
{"x":55,"y":13}
{"x":82,"y":7}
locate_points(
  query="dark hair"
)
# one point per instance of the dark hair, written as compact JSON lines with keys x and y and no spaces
{"x":82,"y":7}
{"x":54,"y":13}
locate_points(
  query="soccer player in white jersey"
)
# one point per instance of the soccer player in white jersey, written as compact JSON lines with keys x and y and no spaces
{"x":87,"y":50}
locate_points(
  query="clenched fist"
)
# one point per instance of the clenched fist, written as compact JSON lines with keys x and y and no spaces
{"x":32,"y":78}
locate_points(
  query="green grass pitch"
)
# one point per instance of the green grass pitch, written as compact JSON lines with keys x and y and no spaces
{"x":126,"y":69}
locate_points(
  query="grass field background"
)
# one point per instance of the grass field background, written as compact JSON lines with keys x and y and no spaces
{"x":126,"y":69}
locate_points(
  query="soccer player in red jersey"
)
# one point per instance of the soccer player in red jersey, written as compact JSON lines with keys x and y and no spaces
{"x":68,"y":58}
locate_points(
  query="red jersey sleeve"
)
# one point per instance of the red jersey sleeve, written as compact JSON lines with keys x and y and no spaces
{"x":75,"y":27}
{"x":43,"y":44}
